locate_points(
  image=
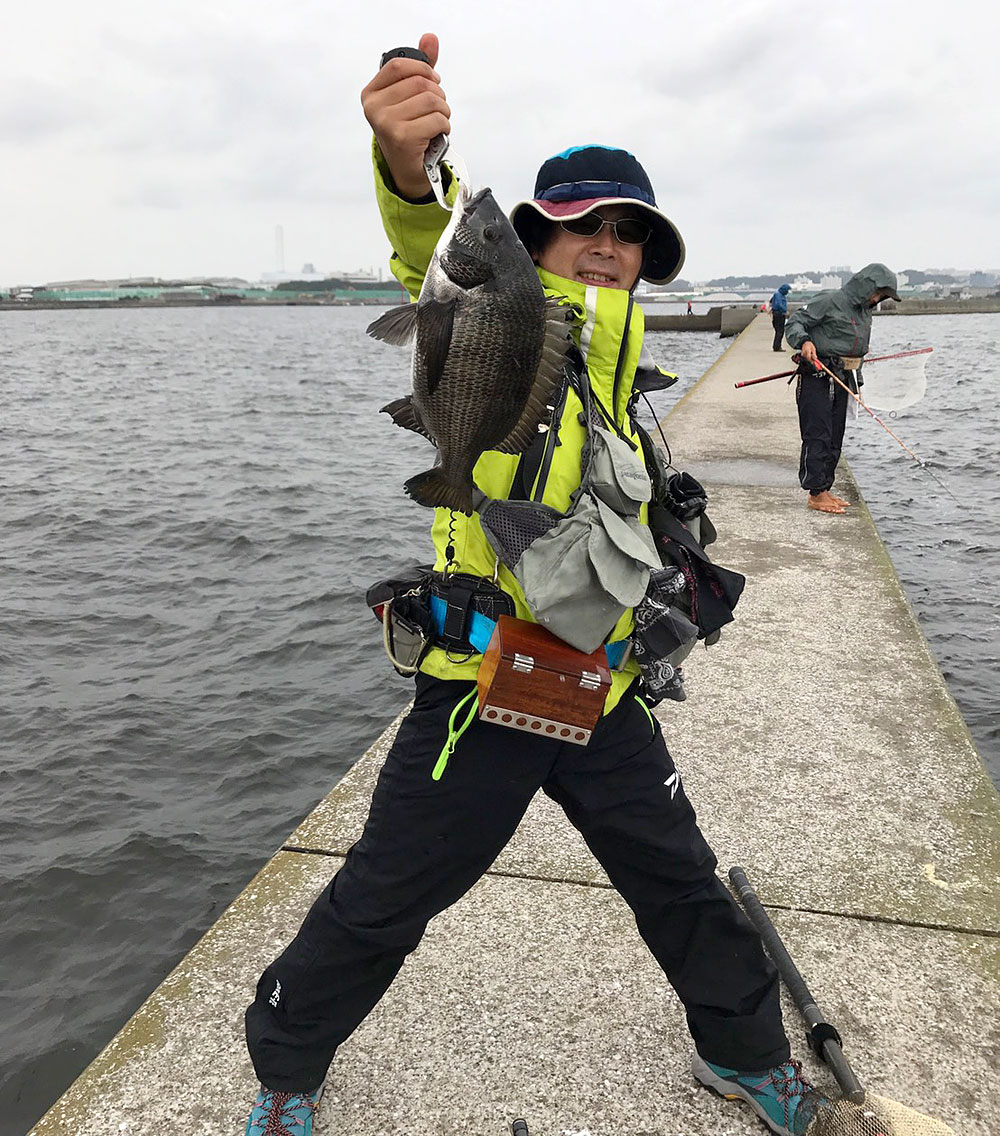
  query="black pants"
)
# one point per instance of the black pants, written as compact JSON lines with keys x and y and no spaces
{"x":778,"y":323}
{"x":427,"y":842}
{"x":822,"y":407}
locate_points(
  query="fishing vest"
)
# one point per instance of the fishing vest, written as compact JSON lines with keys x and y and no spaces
{"x":581,"y":569}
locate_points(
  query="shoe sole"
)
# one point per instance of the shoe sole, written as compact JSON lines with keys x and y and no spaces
{"x":723,"y":1088}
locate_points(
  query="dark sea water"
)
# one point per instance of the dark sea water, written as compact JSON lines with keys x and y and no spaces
{"x":192,"y":505}
{"x":946,"y":551}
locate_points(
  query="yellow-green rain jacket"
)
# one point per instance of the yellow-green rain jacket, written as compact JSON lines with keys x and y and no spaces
{"x":413,"y":232}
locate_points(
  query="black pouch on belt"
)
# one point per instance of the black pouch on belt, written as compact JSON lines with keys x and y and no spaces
{"x":463,"y":594}
{"x":713,"y":590}
{"x":402,"y":605}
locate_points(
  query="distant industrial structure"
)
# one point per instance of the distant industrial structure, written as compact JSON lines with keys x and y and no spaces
{"x":368,"y":286}
{"x":310,"y":287}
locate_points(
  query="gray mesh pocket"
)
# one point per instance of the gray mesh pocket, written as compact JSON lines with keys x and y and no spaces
{"x":511,"y":526}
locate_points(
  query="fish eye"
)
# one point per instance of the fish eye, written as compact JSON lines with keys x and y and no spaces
{"x":491,"y":233}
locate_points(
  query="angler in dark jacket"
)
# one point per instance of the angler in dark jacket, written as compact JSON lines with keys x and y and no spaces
{"x":834,"y":327}
{"x":779,"y":313}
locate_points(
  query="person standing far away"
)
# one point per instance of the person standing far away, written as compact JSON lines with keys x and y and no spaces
{"x":690,"y":310}
{"x":593,"y":228}
{"x":834,"y":328}
{"x":779,"y":313}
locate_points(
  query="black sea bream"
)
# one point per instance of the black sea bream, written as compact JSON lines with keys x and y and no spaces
{"x":488,"y":350}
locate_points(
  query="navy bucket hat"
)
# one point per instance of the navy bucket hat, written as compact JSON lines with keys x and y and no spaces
{"x":584,"y":177}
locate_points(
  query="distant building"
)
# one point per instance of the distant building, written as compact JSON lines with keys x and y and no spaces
{"x":358,"y":277}
{"x":983,"y":279}
{"x":831,"y":282}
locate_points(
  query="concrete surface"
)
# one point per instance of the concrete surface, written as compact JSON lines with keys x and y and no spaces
{"x":823,"y":752}
{"x":728,"y":321}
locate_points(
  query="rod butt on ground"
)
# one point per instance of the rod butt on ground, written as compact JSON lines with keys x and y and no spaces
{"x":823,"y":1037}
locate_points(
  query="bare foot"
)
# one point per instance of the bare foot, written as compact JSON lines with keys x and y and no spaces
{"x":841,"y":501}
{"x":825,"y":502}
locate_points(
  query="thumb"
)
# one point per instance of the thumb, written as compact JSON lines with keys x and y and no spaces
{"x":429,"y":46}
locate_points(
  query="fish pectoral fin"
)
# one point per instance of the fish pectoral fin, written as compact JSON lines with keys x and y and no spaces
{"x":405,"y":414}
{"x":549,"y":374}
{"x":437,"y":320}
{"x":524,"y":433}
{"x":397,"y":326}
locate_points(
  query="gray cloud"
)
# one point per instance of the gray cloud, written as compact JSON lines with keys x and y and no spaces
{"x":32,"y":110}
{"x":776,"y":134}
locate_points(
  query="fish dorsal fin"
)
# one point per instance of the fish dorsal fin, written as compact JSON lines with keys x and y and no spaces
{"x":397,"y":326}
{"x":405,"y":414}
{"x":437,"y":320}
{"x":548,"y":376}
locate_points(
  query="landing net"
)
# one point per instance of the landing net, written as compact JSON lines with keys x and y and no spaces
{"x":878,"y":1116}
{"x":894,"y":382}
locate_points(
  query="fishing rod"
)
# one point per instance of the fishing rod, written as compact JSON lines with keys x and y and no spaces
{"x":873,"y":359}
{"x":765,"y":379}
{"x":820,"y":365}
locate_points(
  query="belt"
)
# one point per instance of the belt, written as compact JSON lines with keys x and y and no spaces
{"x":479,"y":632}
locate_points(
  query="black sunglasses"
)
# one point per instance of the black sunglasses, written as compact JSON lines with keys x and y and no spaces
{"x":627,"y":230}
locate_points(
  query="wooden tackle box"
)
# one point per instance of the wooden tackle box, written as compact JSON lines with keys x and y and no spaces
{"x":532,"y":681}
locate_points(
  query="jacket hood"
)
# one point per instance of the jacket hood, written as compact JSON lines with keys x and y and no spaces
{"x":872,"y":278}
{"x":784,"y":289}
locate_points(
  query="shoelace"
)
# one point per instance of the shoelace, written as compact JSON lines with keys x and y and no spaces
{"x":789,"y":1083}
{"x":275,"y":1121}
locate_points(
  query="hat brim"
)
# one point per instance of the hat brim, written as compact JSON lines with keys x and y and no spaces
{"x":665,"y":252}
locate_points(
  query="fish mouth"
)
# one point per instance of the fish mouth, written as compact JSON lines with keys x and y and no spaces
{"x":477,"y":199}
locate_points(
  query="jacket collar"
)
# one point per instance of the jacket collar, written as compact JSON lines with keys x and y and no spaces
{"x":606,"y":314}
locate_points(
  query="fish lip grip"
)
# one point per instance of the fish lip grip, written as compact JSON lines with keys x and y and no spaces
{"x":438,"y":146}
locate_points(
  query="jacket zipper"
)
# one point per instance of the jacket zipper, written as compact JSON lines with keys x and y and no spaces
{"x":619,"y":368}
{"x":542,"y":477}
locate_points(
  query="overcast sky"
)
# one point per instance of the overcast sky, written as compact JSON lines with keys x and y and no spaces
{"x":170,"y":139}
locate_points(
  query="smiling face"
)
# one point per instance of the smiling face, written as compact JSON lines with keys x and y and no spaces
{"x":601,"y":259}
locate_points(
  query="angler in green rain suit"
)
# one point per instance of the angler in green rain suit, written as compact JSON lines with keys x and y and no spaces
{"x":834,"y":327}
{"x":427,"y":841}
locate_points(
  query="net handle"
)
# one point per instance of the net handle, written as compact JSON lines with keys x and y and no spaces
{"x":898,"y":355}
{"x":823,"y":1035}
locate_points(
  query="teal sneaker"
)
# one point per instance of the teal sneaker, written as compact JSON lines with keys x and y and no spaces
{"x":781,"y":1097}
{"x":283,"y":1114}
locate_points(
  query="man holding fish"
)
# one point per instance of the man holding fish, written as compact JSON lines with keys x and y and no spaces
{"x":454,"y":787}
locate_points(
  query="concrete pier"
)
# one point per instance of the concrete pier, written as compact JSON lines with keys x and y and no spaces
{"x":823,"y":753}
{"x":727,"y":321}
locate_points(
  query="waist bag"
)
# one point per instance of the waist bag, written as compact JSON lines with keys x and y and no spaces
{"x":420,"y":609}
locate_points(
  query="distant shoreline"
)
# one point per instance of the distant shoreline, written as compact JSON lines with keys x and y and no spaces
{"x":903,"y":308}
{"x":77,"y":305}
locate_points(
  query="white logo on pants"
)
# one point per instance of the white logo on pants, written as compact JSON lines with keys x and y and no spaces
{"x":276,"y":996}
{"x":673,"y":783}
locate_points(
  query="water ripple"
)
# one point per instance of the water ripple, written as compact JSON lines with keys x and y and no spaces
{"x":189,"y":525}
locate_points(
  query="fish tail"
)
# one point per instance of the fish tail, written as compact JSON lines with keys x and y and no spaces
{"x":432,"y":488}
